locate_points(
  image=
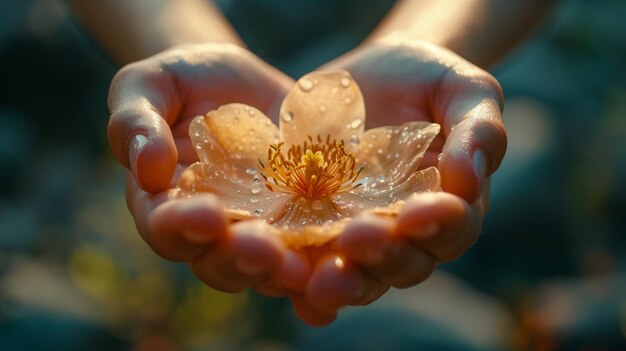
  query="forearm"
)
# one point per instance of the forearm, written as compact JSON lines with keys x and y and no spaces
{"x":481,"y":31}
{"x":132,"y":30}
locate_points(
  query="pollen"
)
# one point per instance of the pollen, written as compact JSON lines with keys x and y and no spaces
{"x":315,"y":169}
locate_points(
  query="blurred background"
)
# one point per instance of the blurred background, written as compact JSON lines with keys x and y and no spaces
{"x":548,"y":273}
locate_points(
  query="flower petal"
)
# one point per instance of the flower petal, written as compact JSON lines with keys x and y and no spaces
{"x":242,"y":198}
{"x":391,"y":154}
{"x":233,"y":138}
{"x":323,"y":103}
{"x":313,"y":235}
{"x":381,"y":195}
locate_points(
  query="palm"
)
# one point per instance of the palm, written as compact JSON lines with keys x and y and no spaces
{"x":181,"y":84}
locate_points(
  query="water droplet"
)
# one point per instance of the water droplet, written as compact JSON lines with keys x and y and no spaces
{"x":356,"y":123}
{"x":287,"y":116}
{"x":199,"y":146}
{"x":345,"y":82}
{"x":439,"y":157}
{"x":257,"y":180}
{"x":347,"y":100}
{"x":317,"y":205}
{"x":254,"y":200}
{"x":200,"y":120}
{"x":322,"y":108}
{"x":381,"y":179}
{"x":196,"y":133}
{"x":354,"y":139}
{"x":452,"y":128}
{"x":258,"y":212}
{"x":251,"y":171}
{"x":405,"y":132}
{"x":255,"y":188}
{"x":305,"y":84}
{"x":251,"y":112}
{"x":303,"y":221}
{"x":380,"y":151}
{"x":251,"y":132}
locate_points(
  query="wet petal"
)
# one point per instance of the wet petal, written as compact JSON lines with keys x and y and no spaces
{"x":324,"y":103}
{"x":242,"y":199}
{"x":313,"y":235}
{"x":391,"y":154}
{"x":233,"y":138}
{"x":383,"y":196}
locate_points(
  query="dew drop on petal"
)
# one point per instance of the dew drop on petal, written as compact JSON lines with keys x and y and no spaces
{"x":322,"y":108}
{"x":305,"y":84}
{"x":405,"y":132}
{"x":196,"y":133}
{"x":379,"y":151}
{"x":381,"y":179}
{"x":255,"y":188}
{"x":345,"y":82}
{"x":356,"y":123}
{"x":354,"y":139}
{"x":317,"y":205}
{"x":439,"y":157}
{"x":287,"y":116}
{"x":347,"y":100}
{"x":254,"y":200}
{"x":251,"y":132}
{"x":303,"y":221}
{"x":199,"y":146}
{"x":251,"y":171}
{"x":258,"y":212}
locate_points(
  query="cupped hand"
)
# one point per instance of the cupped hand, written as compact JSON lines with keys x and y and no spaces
{"x":152,"y":103}
{"x":400,"y":82}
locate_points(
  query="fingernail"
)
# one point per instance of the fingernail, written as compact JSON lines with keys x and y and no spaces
{"x":425,"y":232}
{"x":196,"y":237}
{"x":480,"y":168}
{"x":135,"y":147}
{"x":247,"y":266}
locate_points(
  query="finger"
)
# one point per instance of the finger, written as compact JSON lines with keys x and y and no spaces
{"x":310,"y":314}
{"x":142,"y":99}
{"x":372,"y":243}
{"x":469,"y":105}
{"x":270,"y":289}
{"x":244,"y":258}
{"x":334,"y":283}
{"x":441,"y":223}
{"x":372,"y":291}
{"x":293,"y":271}
{"x":180,"y":230}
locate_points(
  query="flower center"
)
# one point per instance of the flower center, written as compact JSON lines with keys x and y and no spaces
{"x":313,"y":170}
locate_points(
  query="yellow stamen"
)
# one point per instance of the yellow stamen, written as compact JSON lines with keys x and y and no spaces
{"x":313,"y":170}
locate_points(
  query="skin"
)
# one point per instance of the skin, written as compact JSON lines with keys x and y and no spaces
{"x":411,"y":68}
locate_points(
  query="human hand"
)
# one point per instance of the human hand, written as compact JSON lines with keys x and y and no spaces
{"x":152,"y":103}
{"x":402,"y":82}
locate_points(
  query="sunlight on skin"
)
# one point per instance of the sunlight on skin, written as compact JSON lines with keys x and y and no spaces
{"x":429,"y":228}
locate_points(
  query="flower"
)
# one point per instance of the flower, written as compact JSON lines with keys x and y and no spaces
{"x":309,"y":176}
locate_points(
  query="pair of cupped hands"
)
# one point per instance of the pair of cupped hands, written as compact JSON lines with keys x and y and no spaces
{"x":152,"y":102}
